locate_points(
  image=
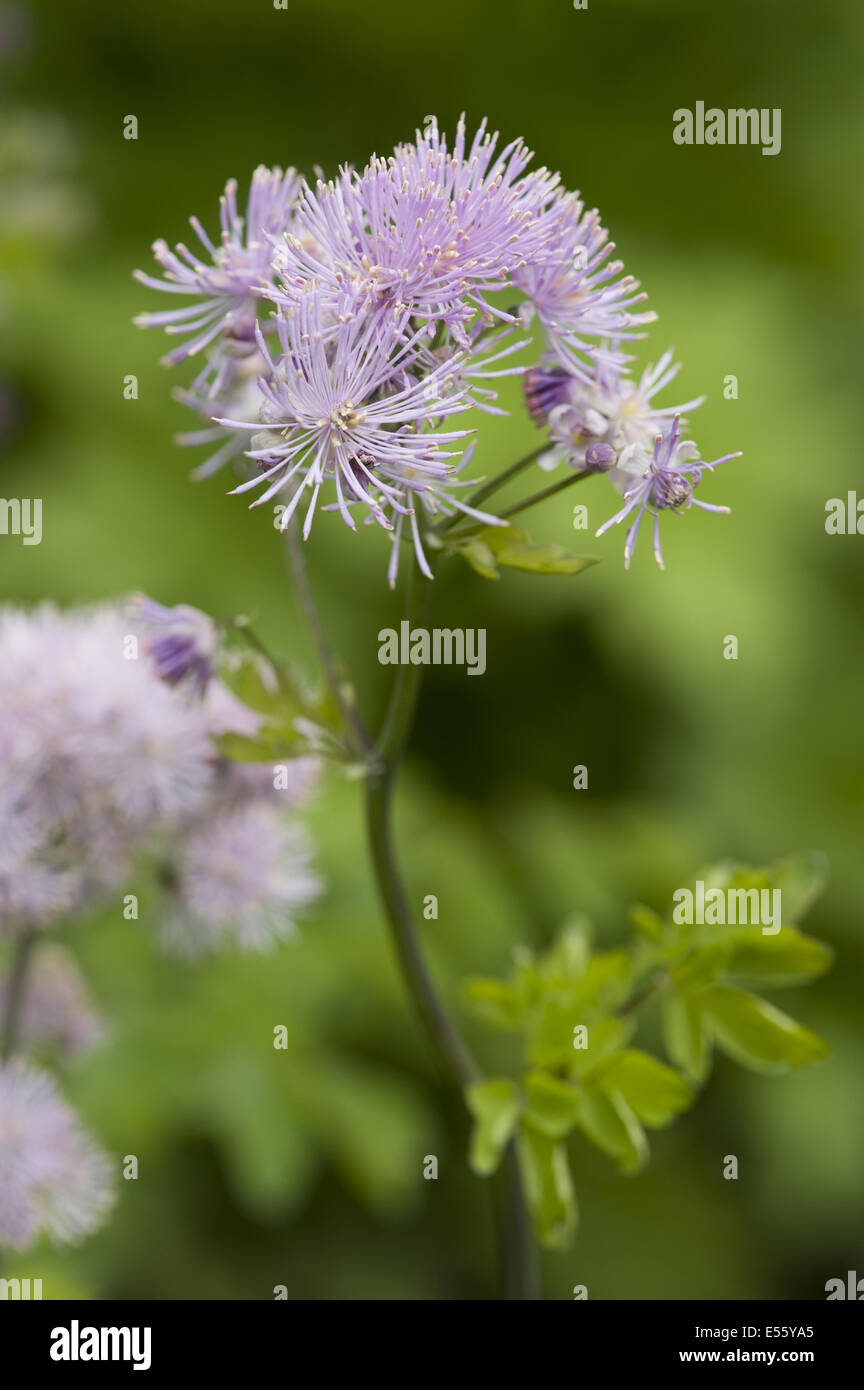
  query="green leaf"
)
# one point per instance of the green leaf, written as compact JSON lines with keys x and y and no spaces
{"x":602,"y":987}
{"x":605,"y":1036}
{"x":569,"y":955}
{"x":756,"y":1034}
{"x":480,"y":557}
{"x":268,"y":745}
{"x":496,"y":1002}
{"x":495,"y":1105}
{"x":786,"y":958}
{"x":508,"y":545}
{"x":544,"y":558}
{"x":647,"y":923}
{"x":549,"y":1188}
{"x":609,"y":1122}
{"x":654,"y":1092}
{"x":686,"y":1038}
{"x":701,"y":966}
{"x":551,"y":1105}
{"x":255,"y":682}
{"x":800,"y":878}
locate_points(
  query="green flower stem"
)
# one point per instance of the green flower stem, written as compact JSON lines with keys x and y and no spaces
{"x":21,"y":958}
{"x":515,"y":1231}
{"x":493,"y":485}
{"x":538,"y":497}
{"x":297,"y":566}
{"x":379,"y":794}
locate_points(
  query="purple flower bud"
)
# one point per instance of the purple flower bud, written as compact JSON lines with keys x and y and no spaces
{"x":182,"y":641}
{"x":599,"y":457}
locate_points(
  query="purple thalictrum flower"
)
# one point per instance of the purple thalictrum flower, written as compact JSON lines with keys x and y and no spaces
{"x":429,"y":228}
{"x":612,"y":409}
{"x":239,"y":396}
{"x":328,"y":415}
{"x":663,"y":481}
{"x":577,"y":293}
{"x":226,"y":281}
{"x":54,"y":1180}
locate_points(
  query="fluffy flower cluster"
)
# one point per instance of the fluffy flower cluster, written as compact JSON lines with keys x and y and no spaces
{"x":106,"y":725}
{"x":54,"y":1180}
{"x":612,"y":425}
{"x":57,"y":1013}
{"x":351,"y":326}
{"x":96,"y":751}
{"x":107,"y":718}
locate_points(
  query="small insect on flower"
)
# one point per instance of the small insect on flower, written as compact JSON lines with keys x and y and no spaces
{"x":54,"y":1180}
{"x":663,"y":481}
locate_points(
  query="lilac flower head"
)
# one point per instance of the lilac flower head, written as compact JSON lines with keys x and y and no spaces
{"x":577,"y":293}
{"x":233,"y":391}
{"x":227,"y":281}
{"x":96,"y":751}
{"x":430,"y":229}
{"x":329,"y":416}
{"x":611,"y":409}
{"x":242,"y":877}
{"x":661,"y":481}
{"x":54,"y":1181}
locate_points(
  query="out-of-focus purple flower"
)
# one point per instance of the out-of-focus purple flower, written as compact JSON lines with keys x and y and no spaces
{"x":57,"y":1011}
{"x":96,"y":751}
{"x":181,"y":641}
{"x":227,"y":281}
{"x":328,"y":416}
{"x":241,"y":878}
{"x":430,"y":230}
{"x":662,"y":481}
{"x":236,"y":394}
{"x":54,"y":1180}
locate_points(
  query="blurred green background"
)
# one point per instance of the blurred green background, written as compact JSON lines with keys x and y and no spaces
{"x":304,"y":1167}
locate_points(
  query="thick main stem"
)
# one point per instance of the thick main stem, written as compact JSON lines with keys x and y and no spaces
{"x":514,"y":1222}
{"x":379,"y":792}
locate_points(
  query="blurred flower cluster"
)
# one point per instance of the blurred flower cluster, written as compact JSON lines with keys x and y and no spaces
{"x":107,"y":724}
{"x":350,"y":328}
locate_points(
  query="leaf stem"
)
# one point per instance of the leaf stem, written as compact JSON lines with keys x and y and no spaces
{"x":642,"y":996}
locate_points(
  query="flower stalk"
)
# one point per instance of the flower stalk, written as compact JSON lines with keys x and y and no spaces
{"x":14,"y":1003}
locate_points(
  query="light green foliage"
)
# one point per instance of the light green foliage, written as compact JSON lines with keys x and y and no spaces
{"x":493,"y":546}
{"x":292,"y":721}
{"x":575,"y":1011}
